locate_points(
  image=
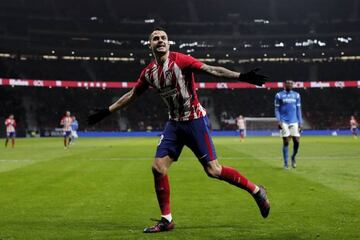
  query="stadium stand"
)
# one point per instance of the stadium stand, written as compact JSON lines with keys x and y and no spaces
{"x":100,"y":41}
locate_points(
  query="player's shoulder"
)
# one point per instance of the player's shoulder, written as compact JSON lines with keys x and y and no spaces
{"x":278,"y":94}
{"x":178,"y":56}
{"x":150,"y":65}
{"x":296,"y":93}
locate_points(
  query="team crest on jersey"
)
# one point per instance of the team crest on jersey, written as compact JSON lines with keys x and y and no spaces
{"x":168,"y":75}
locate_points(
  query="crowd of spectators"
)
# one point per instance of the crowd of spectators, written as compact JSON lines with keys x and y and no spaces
{"x":322,"y":108}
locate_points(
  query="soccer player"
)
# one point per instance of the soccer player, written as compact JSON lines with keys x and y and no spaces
{"x":240,"y":121}
{"x":10,"y":124}
{"x":353,"y":126}
{"x":172,"y":74}
{"x":66,"y":123}
{"x":74,"y":127}
{"x":288,"y":114}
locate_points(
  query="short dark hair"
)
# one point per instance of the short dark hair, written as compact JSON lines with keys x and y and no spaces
{"x":156,"y":29}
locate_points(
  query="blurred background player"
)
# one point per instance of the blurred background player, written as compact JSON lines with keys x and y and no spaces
{"x":241,"y":125}
{"x":10,"y":124}
{"x":353,"y":126}
{"x":74,"y":127}
{"x":288,"y":114}
{"x":66,"y":123}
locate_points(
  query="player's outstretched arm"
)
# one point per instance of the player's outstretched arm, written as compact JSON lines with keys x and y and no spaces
{"x":250,"y":77}
{"x":100,"y":114}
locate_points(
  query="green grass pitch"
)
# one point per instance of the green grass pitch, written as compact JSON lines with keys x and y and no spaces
{"x":102,"y":188}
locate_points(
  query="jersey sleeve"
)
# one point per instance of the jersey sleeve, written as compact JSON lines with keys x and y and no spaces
{"x":185,"y":61}
{"x":298,"y":109}
{"x":298,"y":101}
{"x":142,"y":84}
{"x":277,"y":105}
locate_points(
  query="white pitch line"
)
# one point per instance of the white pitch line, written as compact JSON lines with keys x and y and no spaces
{"x":16,"y":160}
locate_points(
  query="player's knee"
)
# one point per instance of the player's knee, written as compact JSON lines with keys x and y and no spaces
{"x":158,"y":169}
{"x":213,"y":171}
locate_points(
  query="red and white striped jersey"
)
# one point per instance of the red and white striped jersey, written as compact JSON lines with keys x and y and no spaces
{"x":10,"y":125}
{"x":353,"y":123}
{"x":66,"y":122}
{"x":240,"y":123}
{"x":174,"y":80}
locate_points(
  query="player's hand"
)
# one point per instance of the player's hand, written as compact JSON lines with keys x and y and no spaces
{"x":253,"y":77}
{"x":300,"y":128}
{"x":97,"y":115}
{"x":280,"y":125}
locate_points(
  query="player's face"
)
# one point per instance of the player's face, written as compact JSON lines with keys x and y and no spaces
{"x":288,"y":85}
{"x":159,"y":42}
{"x":68,"y":114}
{"x":11,"y":116}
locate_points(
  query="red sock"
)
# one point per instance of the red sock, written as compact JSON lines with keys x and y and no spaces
{"x":233,"y":177}
{"x":162,"y":189}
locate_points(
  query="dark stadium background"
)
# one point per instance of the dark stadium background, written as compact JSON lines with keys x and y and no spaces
{"x":106,"y":41}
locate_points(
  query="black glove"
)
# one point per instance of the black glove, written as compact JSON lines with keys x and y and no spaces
{"x":97,"y":115}
{"x":253,"y":78}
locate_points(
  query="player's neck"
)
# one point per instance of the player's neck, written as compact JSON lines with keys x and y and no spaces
{"x":160,"y":59}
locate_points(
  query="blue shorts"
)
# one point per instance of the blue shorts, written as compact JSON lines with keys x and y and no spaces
{"x":354,"y":130}
{"x":194,"y":134}
{"x":10,"y":134}
{"x":67,"y":134}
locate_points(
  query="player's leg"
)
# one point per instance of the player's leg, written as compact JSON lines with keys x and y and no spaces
{"x":64,"y":134}
{"x":6,"y":141}
{"x":296,"y":141}
{"x":214,"y":170}
{"x":74,"y":136}
{"x":285,"y":134}
{"x":242,"y":136}
{"x":354,"y":132}
{"x":200,"y":142}
{"x":13,"y":140}
{"x":295,"y":134}
{"x":234,"y":177}
{"x":162,"y":187}
{"x":67,"y":139}
{"x":285,"y":151}
{"x":168,"y":151}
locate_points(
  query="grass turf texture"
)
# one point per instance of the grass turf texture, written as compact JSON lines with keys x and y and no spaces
{"x":103,"y":189}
